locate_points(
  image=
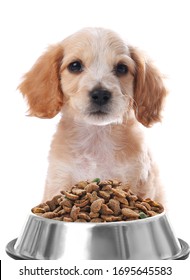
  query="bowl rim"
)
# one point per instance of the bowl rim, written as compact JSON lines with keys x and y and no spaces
{"x":89,"y":224}
{"x":182,"y":255}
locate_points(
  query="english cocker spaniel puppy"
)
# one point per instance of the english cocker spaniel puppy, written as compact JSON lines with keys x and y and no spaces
{"x":104,"y":90}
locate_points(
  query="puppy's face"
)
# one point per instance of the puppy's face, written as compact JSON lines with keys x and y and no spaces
{"x":93,"y":76}
{"x":97,"y":75}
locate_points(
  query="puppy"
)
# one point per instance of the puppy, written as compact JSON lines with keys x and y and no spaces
{"x":105,"y":91}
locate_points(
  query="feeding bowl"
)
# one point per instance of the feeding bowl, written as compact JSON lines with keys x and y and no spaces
{"x":47,"y":239}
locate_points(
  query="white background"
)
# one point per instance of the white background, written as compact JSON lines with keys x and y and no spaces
{"x":161,"y":28}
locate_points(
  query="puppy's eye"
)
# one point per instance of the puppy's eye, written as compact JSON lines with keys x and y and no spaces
{"x":121,"y":69}
{"x":75,"y":67}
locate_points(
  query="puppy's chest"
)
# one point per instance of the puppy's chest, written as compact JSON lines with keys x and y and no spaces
{"x":95,"y":147}
{"x":96,"y":155}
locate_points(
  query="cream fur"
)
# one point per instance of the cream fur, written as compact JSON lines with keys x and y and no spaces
{"x":103,"y":141}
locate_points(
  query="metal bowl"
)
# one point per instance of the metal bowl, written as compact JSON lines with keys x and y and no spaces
{"x":150,"y":238}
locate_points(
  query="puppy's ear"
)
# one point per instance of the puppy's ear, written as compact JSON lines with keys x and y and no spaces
{"x":149,"y":90}
{"x":41,"y":85}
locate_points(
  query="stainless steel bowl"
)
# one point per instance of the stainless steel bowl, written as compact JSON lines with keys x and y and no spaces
{"x":45,"y":239}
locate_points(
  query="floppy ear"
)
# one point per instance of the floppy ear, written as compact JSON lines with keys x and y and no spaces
{"x":41,"y":85}
{"x":149,"y":90}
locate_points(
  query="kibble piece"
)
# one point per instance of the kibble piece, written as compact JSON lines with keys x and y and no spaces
{"x":122,"y":200}
{"x":105,"y":210}
{"x":119,"y":192}
{"x":56,"y":198}
{"x":85,"y":209}
{"x":78,"y":191}
{"x":58,"y":218}
{"x":104,"y":183}
{"x":133,"y":197}
{"x":94,"y":215}
{"x":92,"y":196}
{"x":115,"y":182}
{"x":116,"y":218}
{"x":91,"y":187}
{"x":107,"y":218}
{"x":128,"y":213}
{"x":82,"y":184}
{"x":82,"y":202}
{"x":148,"y":207}
{"x":125,"y":187}
{"x":67,"y":209}
{"x":57,"y":209}
{"x":67,"y":219}
{"x":141,"y":207}
{"x":37,"y":210}
{"x":115,"y":206}
{"x":96,"y":220}
{"x":84,"y":216}
{"x":96,"y":205}
{"x":70,"y":195}
{"x":52,"y":205}
{"x":107,"y":188}
{"x":74,"y":212}
{"x":80,"y":221}
{"x":62,"y":212}
{"x":66,"y":202}
{"x":50,"y":215}
{"x":104,"y":194}
{"x":152,"y":213}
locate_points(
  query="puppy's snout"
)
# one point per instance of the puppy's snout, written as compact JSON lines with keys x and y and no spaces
{"x":100,"y":96}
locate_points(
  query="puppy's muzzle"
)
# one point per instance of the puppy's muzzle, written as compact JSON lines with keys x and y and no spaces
{"x":100,"y":96}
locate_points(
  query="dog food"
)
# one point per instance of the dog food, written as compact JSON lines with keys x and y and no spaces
{"x":98,"y":202}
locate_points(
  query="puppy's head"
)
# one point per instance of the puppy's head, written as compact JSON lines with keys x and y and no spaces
{"x":93,"y":76}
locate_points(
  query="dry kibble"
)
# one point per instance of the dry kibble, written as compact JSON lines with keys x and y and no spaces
{"x":98,"y":201}
{"x":122,"y":200}
{"x":82,"y":184}
{"x":105,"y":210}
{"x":38,"y":210}
{"x":148,"y":207}
{"x":93,"y":196}
{"x":81,"y":203}
{"x":96,"y":220}
{"x":66,"y":202}
{"x":104,"y":194}
{"x":96,"y":205}
{"x":107,"y":218}
{"x":91,"y":187}
{"x":119,"y":192}
{"x":51,"y":204}
{"x":57,"y":209}
{"x":80,"y":221}
{"x":67,"y":209}
{"x":70,"y":195}
{"x":66,"y":219}
{"x":62,"y":212}
{"x":50,"y":215}
{"x":115,"y":206}
{"x":74,"y":212}
{"x":84,"y":216}
{"x":128,"y":213}
{"x":94,"y":215}
{"x":141,"y":207}
{"x":107,"y":188}
{"x":152,"y":213}
{"x":78,"y":191}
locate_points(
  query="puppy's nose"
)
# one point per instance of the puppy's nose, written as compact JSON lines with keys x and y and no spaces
{"x":100,"y":96}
